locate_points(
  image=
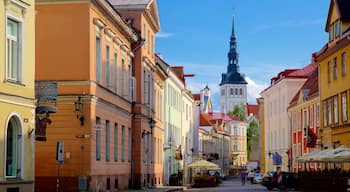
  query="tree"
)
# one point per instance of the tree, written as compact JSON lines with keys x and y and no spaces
{"x":252,"y":134}
{"x":239,"y":111}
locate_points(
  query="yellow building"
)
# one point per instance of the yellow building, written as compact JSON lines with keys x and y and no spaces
{"x":260,"y":102}
{"x":334,"y":74}
{"x":17,"y":106}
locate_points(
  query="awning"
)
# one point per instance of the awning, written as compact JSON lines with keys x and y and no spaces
{"x":337,"y":155}
{"x":204,"y":165}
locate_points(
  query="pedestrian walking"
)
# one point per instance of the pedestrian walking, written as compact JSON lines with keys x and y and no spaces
{"x":243,"y":176}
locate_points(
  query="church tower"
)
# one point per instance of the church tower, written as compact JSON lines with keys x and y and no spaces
{"x":233,"y":86}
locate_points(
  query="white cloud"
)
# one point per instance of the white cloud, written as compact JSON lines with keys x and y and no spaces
{"x":254,"y":88}
{"x":164,"y":35}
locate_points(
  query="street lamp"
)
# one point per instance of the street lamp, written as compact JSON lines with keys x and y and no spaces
{"x":79,"y":110}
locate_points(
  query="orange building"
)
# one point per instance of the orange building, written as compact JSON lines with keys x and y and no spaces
{"x":143,"y":16}
{"x":87,"y":48}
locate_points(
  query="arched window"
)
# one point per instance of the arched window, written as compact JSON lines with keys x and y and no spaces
{"x":241,"y":91}
{"x":231,"y":91}
{"x":13,"y":148}
{"x":236,"y":91}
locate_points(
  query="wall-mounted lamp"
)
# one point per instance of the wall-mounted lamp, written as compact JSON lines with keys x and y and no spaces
{"x":79,"y":110}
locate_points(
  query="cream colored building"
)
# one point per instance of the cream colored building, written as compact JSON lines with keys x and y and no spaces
{"x":17,"y":105}
{"x":276,"y":99}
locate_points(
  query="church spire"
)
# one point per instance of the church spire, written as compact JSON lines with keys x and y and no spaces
{"x":233,"y":74}
{"x":233,"y":28}
{"x":233,"y":53}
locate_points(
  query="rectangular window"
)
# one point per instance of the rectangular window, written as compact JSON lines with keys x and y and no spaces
{"x":311,"y":116}
{"x":149,"y":42}
{"x":329,"y":71}
{"x":108,"y":68}
{"x":337,"y":28}
{"x":123,"y":78}
{"x":335,"y":71}
{"x":343,"y":64}
{"x":98,"y":59}
{"x":331,"y":32}
{"x":344,"y":107}
{"x":324,"y":110}
{"x":305,"y":121}
{"x":14,"y":50}
{"x":116,"y":142}
{"x":123,"y":143}
{"x":335,"y":108}
{"x":98,"y":138}
{"x":318,"y":114}
{"x":145,"y":89}
{"x":107,"y":140}
{"x":131,"y":86}
{"x":115,"y":72}
{"x":129,"y":144}
{"x":145,"y":36}
{"x":329,"y":107}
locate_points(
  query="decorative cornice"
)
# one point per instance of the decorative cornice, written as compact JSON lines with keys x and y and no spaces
{"x":99,"y":23}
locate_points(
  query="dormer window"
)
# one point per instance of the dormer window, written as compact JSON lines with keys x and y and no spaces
{"x":331,"y":33}
{"x":337,"y":28}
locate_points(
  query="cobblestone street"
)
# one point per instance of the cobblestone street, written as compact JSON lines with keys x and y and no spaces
{"x":232,"y":184}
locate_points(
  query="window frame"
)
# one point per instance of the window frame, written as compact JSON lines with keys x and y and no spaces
{"x":335,"y":109}
{"x":331,"y":32}
{"x":20,"y":43}
{"x":344,"y":95}
{"x":335,"y":68}
{"x":337,"y":26}
{"x":343,"y":61}
{"x":19,"y":147}
{"x":116,"y":141}
{"x":108,"y":140}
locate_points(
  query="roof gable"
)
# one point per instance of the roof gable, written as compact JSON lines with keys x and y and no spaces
{"x":338,"y":9}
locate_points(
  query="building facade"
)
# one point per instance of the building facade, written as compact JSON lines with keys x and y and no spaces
{"x":173,"y":125}
{"x":304,"y":120}
{"x":262,"y":142}
{"x":17,"y":100}
{"x":160,"y":77}
{"x":143,"y":16}
{"x":233,"y":86}
{"x":276,"y":121}
{"x":334,"y":69}
{"x":95,"y":91}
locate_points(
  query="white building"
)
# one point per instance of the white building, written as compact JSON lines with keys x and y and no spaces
{"x":276,"y":100}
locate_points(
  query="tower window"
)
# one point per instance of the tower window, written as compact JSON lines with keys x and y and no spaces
{"x":241,"y":91}
{"x":231,"y":91}
{"x":236,"y":91}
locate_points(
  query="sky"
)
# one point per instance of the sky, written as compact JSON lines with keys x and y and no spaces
{"x":272,"y":35}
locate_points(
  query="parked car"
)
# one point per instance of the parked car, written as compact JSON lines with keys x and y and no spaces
{"x":258,"y":178}
{"x":289,"y":180}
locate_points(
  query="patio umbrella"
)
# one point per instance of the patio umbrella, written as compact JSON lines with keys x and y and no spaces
{"x":204,"y":165}
{"x":340,"y":154}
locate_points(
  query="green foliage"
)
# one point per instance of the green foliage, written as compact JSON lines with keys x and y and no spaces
{"x":252,"y":134}
{"x":239,"y":111}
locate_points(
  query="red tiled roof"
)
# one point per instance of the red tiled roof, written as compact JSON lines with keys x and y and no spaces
{"x":311,"y":84}
{"x":196,"y":97}
{"x":303,"y":72}
{"x":293,"y":73}
{"x":254,"y":109}
{"x":204,"y":120}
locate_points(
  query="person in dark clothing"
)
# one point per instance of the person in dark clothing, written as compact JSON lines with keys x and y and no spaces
{"x":243,"y":176}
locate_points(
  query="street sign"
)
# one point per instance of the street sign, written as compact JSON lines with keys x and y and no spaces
{"x":60,"y":152}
